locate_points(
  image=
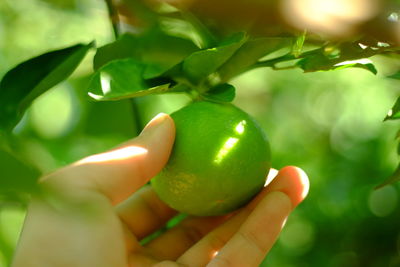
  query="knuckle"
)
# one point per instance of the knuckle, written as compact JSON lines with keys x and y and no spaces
{"x":252,"y":239}
{"x":192,"y":233}
{"x":216,"y":242}
{"x":220,"y":261}
{"x":153,"y":206}
{"x":169,"y":264}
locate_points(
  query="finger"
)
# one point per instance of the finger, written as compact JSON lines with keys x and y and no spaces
{"x":144,"y":213}
{"x":288,"y":180}
{"x":255,"y":237}
{"x":292,"y":181}
{"x":175,"y":241}
{"x":204,"y":250}
{"x":120,"y":172}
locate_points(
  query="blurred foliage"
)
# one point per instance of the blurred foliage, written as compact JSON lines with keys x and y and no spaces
{"x":40,"y":74}
{"x":328,"y":123}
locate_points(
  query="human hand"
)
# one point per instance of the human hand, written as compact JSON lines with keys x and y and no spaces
{"x":95,"y":212}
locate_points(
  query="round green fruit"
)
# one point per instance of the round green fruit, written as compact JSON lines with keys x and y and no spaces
{"x":219,"y":161}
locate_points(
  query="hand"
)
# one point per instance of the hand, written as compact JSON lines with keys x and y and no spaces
{"x":95,"y":211}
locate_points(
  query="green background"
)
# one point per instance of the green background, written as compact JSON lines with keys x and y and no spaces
{"x":328,"y":123}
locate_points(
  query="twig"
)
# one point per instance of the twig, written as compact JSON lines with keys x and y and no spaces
{"x":113,"y":15}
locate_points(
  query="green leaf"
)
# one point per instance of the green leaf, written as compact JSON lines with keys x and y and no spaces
{"x":398,"y":149}
{"x":221,"y":93}
{"x":121,"y":79}
{"x":342,"y":56}
{"x":361,"y":63}
{"x":394,"y":112}
{"x":395,"y":177}
{"x":155,"y":48}
{"x":395,"y":76}
{"x":122,"y":48}
{"x":205,"y":37}
{"x":16,"y":177}
{"x":184,"y":29}
{"x":315,"y":62}
{"x":200,"y":64}
{"x":21,"y":85}
{"x":249,"y":53}
{"x":298,"y":44}
{"x":321,"y":62}
{"x":6,"y":247}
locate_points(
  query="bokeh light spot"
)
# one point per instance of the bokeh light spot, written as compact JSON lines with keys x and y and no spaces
{"x":383,"y":201}
{"x":298,"y":235}
{"x":53,"y":113}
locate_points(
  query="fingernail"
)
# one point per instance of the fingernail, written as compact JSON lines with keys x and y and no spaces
{"x":154,"y":123}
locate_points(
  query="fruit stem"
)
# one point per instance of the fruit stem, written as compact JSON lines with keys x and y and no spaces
{"x":194,"y":94}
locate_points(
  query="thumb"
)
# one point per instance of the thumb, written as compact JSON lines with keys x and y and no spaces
{"x":120,"y":172}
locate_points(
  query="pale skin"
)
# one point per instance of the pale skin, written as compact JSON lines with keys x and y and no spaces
{"x":97,"y":210}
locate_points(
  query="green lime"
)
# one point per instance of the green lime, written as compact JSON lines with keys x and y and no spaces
{"x":219,"y":161}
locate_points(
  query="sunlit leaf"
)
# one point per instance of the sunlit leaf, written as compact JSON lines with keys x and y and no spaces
{"x":361,"y":63}
{"x":121,"y":79}
{"x":394,"y":112}
{"x":206,"y":38}
{"x":21,"y":85}
{"x":202,"y":63}
{"x":156,"y":49}
{"x":320,"y":62}
{"x":6,"y":248}
{"x":221,"y":93}
{"x":183,"y":29}
{"x":333,"y":57}
{"x":249,"y":53}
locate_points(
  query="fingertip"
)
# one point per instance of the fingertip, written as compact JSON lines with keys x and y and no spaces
{"x":121,"y":171}
{"x":304,"y":181}
{"x":292,"y":181}
{"x":160,"y":119}
{"x":158,"y":137}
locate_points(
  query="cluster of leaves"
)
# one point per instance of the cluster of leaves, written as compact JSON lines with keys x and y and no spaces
{"x":177,"y":54}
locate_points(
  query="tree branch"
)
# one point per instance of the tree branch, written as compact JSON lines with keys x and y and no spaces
{"x":113,"y":15}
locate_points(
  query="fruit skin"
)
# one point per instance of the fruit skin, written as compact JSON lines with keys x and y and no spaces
{"x":218,"y":163}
